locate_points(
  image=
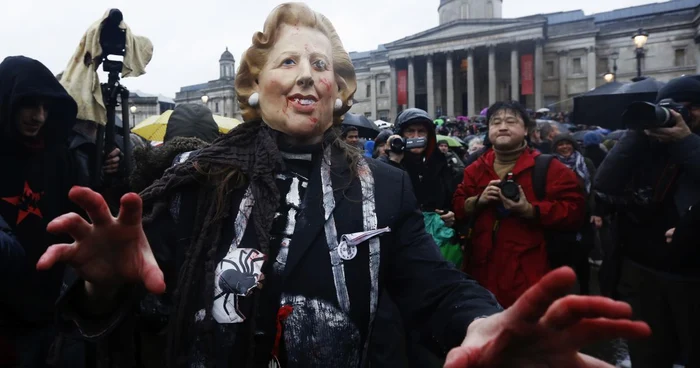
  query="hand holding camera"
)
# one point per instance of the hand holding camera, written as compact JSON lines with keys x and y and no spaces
{"x":512,"y":196}
{"x":396,"y":148}
{"x":491,"y":194}
{"x":673,"y":133}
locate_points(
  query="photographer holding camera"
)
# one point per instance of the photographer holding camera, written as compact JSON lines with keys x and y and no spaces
{"x":508,"y":251}
{"x":651,"y":179}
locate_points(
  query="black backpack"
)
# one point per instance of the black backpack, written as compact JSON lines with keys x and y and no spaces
{"x":562,"y":246}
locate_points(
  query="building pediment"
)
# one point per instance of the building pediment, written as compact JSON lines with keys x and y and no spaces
{"x":465,"y":28}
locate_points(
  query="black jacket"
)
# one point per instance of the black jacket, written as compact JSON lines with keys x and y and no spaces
{"x":628,"y":182}
{"x":595,"y":153}
{"x":432,"y":295}
{"x":11,"y":254}
{"x":37,"y":175}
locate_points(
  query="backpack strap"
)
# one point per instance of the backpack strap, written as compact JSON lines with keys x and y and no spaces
{"x":539,"y":175}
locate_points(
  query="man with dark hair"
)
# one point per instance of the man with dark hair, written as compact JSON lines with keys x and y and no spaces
{"x":350,"y":135}
{"x":508,"y":247}
{"x":651,"y":180}
{"x":547,"y":134}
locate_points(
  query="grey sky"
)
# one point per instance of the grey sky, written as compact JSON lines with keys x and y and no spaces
{"x":188,"y":40}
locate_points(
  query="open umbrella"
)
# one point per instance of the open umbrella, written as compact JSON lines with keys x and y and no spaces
{"x":365,"y":128}
{"x":153,"y":128}
{"x":603,"y":106}
{"x":439,"y":122}
{"x":543,"y":110}
{"x":451,"y":142}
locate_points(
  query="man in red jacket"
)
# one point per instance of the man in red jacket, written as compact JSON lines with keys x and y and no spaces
{"x":508,"y":250}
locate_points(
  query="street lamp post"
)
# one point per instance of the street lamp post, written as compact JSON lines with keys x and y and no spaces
{"x":133,"y":110}
{"x":640,"y":39}
{"x":611,"y":77}
{"x":205,"y":98}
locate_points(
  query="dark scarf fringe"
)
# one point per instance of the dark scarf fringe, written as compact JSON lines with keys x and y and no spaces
{"x":249,"y":152}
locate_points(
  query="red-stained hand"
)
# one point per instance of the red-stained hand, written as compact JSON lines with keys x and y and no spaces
{"x":110,"y":251}
{"x":545,"y":328}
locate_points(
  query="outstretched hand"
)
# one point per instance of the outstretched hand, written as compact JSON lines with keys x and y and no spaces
{"x":110,"y":251}
{"x":546,"y":328}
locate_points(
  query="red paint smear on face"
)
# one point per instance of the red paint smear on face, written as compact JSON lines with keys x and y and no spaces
{"x":324,"y":81}
{"x":313,"y":120}
{"x":286,"y":106}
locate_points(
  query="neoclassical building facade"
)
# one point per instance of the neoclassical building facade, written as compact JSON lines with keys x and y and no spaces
{"x":474,"y":57}
{"x":220,"y":93}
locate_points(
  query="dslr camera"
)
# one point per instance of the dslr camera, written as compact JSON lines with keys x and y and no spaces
{"x":645,"y":115}
{"x":509,"y":188}
{"x":401,"y":145}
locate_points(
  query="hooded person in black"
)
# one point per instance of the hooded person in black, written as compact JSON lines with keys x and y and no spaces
{"x":36,"y":116}
{"x":427,"y":167}
{"x":191,"y":127}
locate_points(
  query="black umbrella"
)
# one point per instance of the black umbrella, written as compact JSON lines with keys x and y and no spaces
{"x":365,"y":128}
{"x":604,"y":105}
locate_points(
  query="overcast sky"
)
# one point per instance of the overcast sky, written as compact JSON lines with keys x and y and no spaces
{"x":188,"y":40}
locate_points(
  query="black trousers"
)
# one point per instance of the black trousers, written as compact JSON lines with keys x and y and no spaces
{"x":671,"y":307}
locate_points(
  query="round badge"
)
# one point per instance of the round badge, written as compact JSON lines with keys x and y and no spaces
{"x":346,"y":251}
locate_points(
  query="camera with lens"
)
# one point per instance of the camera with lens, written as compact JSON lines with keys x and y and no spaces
{"x":400,"y":145}
{"x":645,"y":115}
{"x":510,"y":189}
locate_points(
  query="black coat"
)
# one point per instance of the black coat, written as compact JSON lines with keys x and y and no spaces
{"x":628,"y":181}
{"x":595,"y":153}
{"x":432,"y":295}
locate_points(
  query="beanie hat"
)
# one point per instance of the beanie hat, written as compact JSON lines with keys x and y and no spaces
{"x":592,"y":139}
{"x":682,"y":89}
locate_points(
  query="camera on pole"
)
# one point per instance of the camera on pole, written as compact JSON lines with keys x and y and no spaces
{"x":113,"y":43}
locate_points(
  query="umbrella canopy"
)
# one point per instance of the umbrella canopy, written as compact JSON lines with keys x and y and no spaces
{"x":153,"y":128}
{"x":543,"y":110}
{"x":365,"y":128}
{"x":604,"y":105}
{"x":579,"y":135}
{"x":452,"y":142}
{"x":381,"y":124}
{"x":484,"y":111}
{"x":439,"y":122}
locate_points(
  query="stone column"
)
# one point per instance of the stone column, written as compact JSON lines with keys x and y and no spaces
{"x":539,"y":94}
{"x":697,"y":58}
{"x":411,"y":84}
{"x":514,"y":74}
{"x":591,"y":68}
{"x":450,"y":90}
{"x":471,"y":95}
{"x":373,"y":89}
{"x":492,"y":74}
{"x":393,"y":94}
{"x":563,"y":74}
{"x":430,"y":85}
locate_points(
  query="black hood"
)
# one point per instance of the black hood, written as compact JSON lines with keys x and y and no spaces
{"x":191,"y":121}
{"x":413,"y":116}
{"x":23,"y":78}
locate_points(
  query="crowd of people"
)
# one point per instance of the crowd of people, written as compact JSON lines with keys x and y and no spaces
{"x":282,"y":244}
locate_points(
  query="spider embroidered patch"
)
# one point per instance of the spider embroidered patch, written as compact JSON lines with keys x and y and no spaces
{"x":236,"y":276}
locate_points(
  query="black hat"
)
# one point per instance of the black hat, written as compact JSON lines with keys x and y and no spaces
{"x":682,"y":89}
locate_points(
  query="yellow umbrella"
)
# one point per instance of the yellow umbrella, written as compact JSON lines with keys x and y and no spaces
{"x":153,"y":128}
{"x":225,"y":124}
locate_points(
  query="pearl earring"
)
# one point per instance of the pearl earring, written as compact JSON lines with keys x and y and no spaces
{"x":254,"y":99}
{"x":338,"y":104}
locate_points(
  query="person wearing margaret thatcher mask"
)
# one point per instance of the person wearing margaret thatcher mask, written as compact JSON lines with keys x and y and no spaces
{"x":270,"y":247}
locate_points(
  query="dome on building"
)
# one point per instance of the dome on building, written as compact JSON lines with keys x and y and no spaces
{"x":227,"y":56}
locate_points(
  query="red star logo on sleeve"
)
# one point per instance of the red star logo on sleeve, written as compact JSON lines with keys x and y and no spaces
{"x":27,"y":203}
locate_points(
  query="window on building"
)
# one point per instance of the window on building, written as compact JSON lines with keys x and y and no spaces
{"x":382,"y":87}
{"x":384,"y":115}
{"x":216,"y":107}
{"x":679,"y":57}
{"x":369,"y":90}
{"x":368,"y":115}
{"x":465,"y":11}
{"x":602,"y":66}
{"x":549,"y":68}
{"x":578,"y":69}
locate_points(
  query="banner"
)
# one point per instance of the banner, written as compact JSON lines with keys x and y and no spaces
{"x":402,"y":87}
{"x":526,"y":74}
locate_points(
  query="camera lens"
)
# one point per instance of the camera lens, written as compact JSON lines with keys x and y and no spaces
{"x":397,"y":145}
{"x":510,"y":190}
